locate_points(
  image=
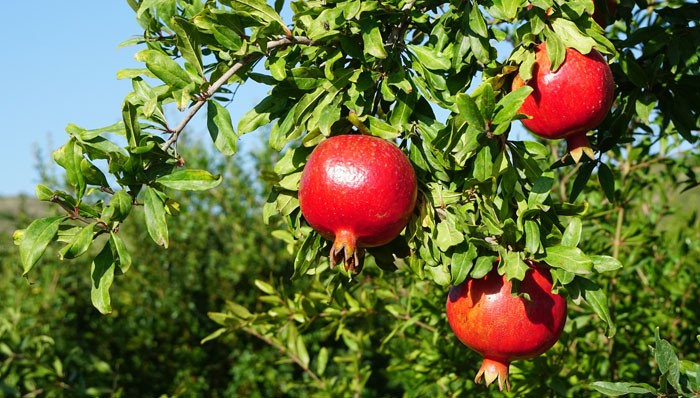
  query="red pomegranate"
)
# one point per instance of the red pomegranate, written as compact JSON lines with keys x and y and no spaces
{"x":358,"y":191}
{"x":486,"y":317}
{"x":569,"y":102}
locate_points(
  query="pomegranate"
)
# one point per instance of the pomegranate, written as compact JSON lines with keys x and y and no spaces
{"x":487,"y":318}
{"x":358,"y":191}
{"x":569,"y":102}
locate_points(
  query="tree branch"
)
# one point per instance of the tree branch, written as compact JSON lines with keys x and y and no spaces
{"x":284,"y":351}
{"x":74,"y":213}
{"x":243,"y":62}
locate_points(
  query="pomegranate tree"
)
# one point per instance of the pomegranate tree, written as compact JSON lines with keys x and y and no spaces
{"x":570,"y":101}
{"x":488,"y":318}
{"x":358,"y":191}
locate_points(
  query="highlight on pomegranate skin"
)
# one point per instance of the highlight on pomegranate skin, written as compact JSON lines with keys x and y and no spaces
{"x":358,"y":191}
{"x":486,"y":317}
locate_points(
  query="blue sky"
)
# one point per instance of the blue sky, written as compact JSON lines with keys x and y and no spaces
{"x":59,"y":66}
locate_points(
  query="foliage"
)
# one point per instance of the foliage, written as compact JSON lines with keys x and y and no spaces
{"x":406,"y":71}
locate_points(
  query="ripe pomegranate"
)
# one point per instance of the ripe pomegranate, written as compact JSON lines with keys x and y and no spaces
{"x":569,"y":102}
{"x":358,"y":191}
{"x":486,"y":317}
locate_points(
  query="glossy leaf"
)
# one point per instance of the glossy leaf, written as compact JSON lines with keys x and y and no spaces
{"x":374,"y":44}
{"x":154,"y":210}
{"x":616,"y":389}
{"x":571,"y":259}
{"x":122,"y":254}
{"x":221,"y":128}
{"x":102,"y":276}
{"x":462,"y":262}
{"x":165,"y":68}
{"x":80,"y":243}
{"x":190,"y":180}
{"x":429,"y":57}
{"x":35,"y":239}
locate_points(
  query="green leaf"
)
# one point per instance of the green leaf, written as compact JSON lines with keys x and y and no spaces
{"x":634,"y":72}
{"x":430,"y":57}
{"x":572,"y":233}
{"x":118,"y":208}
{"x":154,"y":210}
{"x":291,"y":181}
{"x":584,"y":173}
{"x":259,"y":9}
{"x":187,"y":39}
{"x":264,"y":286}
{"x":462,"y":262}
{"x":382,"y":129}
{"x":483,"y":266}
{"x":532,"y":237}
{"x":80,"y":242}
{"x":92,"y":175}
{"x":447,"y":233}
{"x":43,"y":193}
{"x":301,"y":351}
{"x":132,"y":128}
{"x":616,"y":389}
{"x":190,"y":180}
{"x":308,"y":254}
{"x":102,"y":276}
{"x":477,"y":23}
{"x":569,"y":35}
{"x":556,"y":52}
{"x":468,"y":108}
{"x":598,"y":300}
{"x":508,"y":106}
{"x":513,"y":266}
{"x":165,"y":68}
{"x":541,"y":189}
{"x":569,"y":259}
{"x":668,"y":362}
{"x":486,"y":100}
{"x":321,"y":361}
{"x":605,"y":263}
{"x":607,"y":181}
{"x":260,"y":115}
{"x":374,"y":44}
{"x":35,"y":239}
{"x":221,"y":128}
{"x":119,"y":248}
{"x":403,"y":109}
{"x":483,"y":164}
{"x":70,"y":157}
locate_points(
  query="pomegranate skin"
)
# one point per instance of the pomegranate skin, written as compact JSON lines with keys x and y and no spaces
{"x":358,"y":191}
{"x":487,"y":318}
{"x":571,"y":101}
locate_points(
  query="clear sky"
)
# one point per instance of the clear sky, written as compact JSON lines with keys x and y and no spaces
{"x":58,"y":65}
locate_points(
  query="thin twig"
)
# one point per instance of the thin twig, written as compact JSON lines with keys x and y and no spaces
{"x":243,"y":62}
{"x":74,"y":213}
{"x":284,"y":351}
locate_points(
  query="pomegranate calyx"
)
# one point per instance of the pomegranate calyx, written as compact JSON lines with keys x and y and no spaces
{"x":577,"y":146}
{"x":492,"y":370}
{"x":345,"y":250}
